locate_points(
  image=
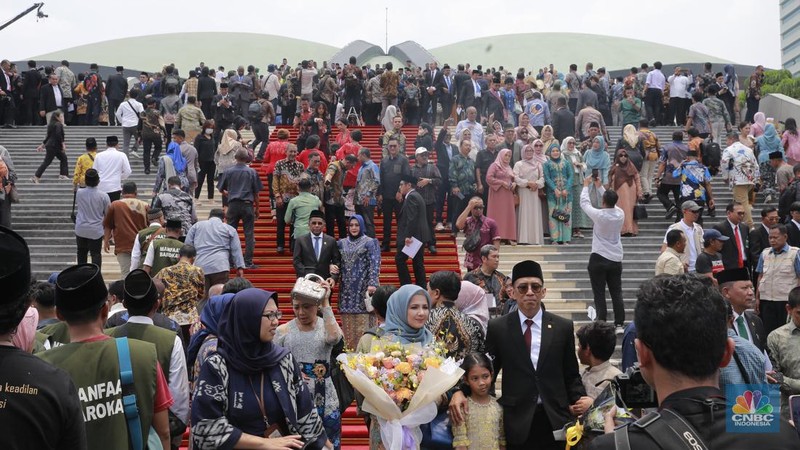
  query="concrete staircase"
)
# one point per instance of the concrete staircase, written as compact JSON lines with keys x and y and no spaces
{"x":568,"y":288}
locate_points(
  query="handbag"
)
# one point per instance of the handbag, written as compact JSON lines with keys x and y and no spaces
{"x":639,"y":212}
{"x":305,"y":288}
{"x":473,"y":241}
{"x":13,"y":194}
{"x":517,"y":107}
{"x":542,"y":193}
{"x":560,"y":215}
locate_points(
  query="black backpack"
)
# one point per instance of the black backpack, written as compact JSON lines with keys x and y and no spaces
{"x":712,"y":155}
{"x":255,"y":112}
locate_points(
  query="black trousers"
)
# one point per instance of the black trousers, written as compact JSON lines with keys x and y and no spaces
{"x":30,"y":113}
{"x":239,"y":210}
{"x":113,"y":105}
{"x":663,"y":194}
{"x":459,"y":204}
{"x":429,"y":218}
{"x":653,"y":104}
{"x":8,"y":110}
{"x":89,"y":246}
{"x":540,"y":436}
{"x":49,"y":155}
{"x":389,"y":205}
{"x":442,"y":195}
{"x":773,"y":314}
{"x":261,"y":132}
{"x":281,"y":238}
{"x":368,"y":213}
{"x":334,"y":219}
{"x":207,"y":170}
{"x":573,"y":104}
{"x":417,"y":263}
{"x":604,"y":272}
{"x":147,"y":158}
{"x":114,"y":196}
{"x":752,"y":109}
{"x":5,"y":213}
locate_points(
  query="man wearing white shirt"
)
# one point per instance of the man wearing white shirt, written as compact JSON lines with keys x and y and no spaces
{"x":113,"y":167}
{"x":605,"y":262}
{"x":693,"y":231}
{"x":653,"y":90}
{"x":128,"y":117}
{"x":678,"y":99}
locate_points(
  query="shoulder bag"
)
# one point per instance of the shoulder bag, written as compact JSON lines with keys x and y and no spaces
{"x":473,"y":241}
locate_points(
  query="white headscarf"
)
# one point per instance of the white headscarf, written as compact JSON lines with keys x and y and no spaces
{"x":388,"y":118}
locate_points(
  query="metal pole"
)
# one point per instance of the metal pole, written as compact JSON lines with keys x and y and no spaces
{"x":386,"y":43}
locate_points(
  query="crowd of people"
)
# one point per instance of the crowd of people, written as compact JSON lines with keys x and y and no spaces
{"x":528,"y":158}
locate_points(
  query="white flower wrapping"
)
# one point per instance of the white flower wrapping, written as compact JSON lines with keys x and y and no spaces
{"x":397,"y":428}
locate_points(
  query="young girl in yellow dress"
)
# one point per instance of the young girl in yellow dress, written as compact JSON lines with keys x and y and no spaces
{"x":483,"y":427}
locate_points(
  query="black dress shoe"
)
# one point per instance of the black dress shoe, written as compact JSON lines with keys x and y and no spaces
{"x":385,"y":248}
{"x":432,"y":249}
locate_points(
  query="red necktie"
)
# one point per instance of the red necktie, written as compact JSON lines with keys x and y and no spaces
{"x":527,"y":335}
{"x":738,"y":246}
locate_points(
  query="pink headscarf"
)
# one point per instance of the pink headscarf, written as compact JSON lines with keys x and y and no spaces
{"x":472,"y":302}
{"x":26,"y":331}
{"x":538,"y":155}
{"x":759,"y":123}
{"x":504,"y":166}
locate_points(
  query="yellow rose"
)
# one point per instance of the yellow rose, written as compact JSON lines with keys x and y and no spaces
{"x":431,"y":362}
{"x":404,"y":394}
{"x":404,"y":368}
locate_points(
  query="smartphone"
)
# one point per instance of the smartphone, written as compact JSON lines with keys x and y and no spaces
{"x":595,"y":173}
{"x":794,"y":410}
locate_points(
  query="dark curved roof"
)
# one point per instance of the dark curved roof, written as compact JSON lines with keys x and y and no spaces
{"x":411,"y":50}
{"x":362,"y":50}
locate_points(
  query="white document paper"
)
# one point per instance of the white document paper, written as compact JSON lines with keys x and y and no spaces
{"x":412,"y":249}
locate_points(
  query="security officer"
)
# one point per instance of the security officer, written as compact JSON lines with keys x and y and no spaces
{"x":682,"y":342}
{"x":93,"y":362}
{"x":141,"y":299}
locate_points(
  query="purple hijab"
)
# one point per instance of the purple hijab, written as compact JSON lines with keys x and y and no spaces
{"x":239,"y":333}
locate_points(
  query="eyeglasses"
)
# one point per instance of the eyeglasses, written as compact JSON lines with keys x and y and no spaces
{"x":538,"y":145}
{"x":623,"y":156}
{"x":524,"y":287}
{"x":477,"y":207}
{"x":273,"y":315}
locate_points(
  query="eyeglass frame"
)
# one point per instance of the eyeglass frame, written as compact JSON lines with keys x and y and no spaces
{"x":529,"y":287}
{"x":273,"y":315}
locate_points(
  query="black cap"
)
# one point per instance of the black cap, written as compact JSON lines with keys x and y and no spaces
{"x":92,"y":176}
{"x":316,"y":213}
{"x":180,"y":133}
{"x":174,"y":224}
{"x":776,"y":155}
{"x":525,"y":269}
{"x":112,"y":141}
{"x":120,"y":68}
{"x":79,"y":288}
{"x":154,"y":213}
{"x":91,"y":143}
{"x":223,"y":85}
{"x":15,"y":266}
{"x":408,"y":178}
{"x":729,"y":275}
{"x":140,"y":289}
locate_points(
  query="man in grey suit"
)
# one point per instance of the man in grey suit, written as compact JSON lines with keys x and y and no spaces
{"x":241,"y":87}
{"x":411,"y":224}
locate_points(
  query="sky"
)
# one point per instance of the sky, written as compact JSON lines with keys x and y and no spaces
{"x":723,"y":29}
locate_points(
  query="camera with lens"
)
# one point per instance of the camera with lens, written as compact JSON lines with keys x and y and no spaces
{"x":634,"y":391}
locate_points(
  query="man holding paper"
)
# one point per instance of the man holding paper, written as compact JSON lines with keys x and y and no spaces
{"x":412,"y":231}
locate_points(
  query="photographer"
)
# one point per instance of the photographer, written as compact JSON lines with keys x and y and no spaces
{"x":682,"y":342}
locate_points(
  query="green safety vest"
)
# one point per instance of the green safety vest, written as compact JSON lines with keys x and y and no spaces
{"x":163,"y":339}
{"x":57,"y":332}
{"x":144,"y":239}
{"x":165,"y":254}
{"x":94,"y":368}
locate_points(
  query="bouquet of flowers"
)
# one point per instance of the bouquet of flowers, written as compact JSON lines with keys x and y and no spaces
{"x":400,"y":384}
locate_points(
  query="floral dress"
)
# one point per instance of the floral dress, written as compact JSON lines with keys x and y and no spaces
{"x":312,"y":350}
{"x":483,"y":428}
{"x":558,"y":175}
{"x":361,"y":262}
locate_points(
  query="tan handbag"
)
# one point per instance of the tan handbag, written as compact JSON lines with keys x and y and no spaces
{"x":307,"y":290}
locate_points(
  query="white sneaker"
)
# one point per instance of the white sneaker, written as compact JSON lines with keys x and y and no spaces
{"x":135,"y":155}
{"x":439,"y":226}
{"x":619,"y":330}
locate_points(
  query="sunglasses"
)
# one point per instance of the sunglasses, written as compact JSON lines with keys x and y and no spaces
{"x":273,"y":315}
{"x":524,"y":287}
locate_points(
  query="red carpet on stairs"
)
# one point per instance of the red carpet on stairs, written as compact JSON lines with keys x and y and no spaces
{"x":276,"y":272}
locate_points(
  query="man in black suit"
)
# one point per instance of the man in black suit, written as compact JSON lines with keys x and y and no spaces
{"x":793,"y":225}
{"x":316,"y":252}
{"x":495,"y":108}
{"x":734,"y":252}
{"x":116,"y":88}
{"x":50,"y":98}
{"x":206,"y":90}
{"x":759,"y":237}
{"x":411,"y":224}
{"x":432,"y":88}
{"x":737,"y":288}
{"x":471,"y":93}
{"x":447,"y":94}
{"x":535,"y":349}
{"x":224,"y":112}
{"x":32,"y":82}
{"x":8,"y":107}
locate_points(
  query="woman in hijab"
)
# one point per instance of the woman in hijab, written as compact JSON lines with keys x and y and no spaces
{"x":252,"y":387}
{"x":759,"y":124}
{"x":500,"y":178}
{"x":225,"y":157}
{"x":767,"y":143}
{"x":361,"y":262}
{"x":548,"y":139}
{"x":558,"y":180}
{"x":541,"y":158}
{"x":472,"y":301}
{"x":460,"y":333}
{"x":311,"y":340}
{"x":205,"y":341}
{"x":407,"y":311}
{"x":169,"y":165}
{"x":388,"y":118}
{"x":597,"y":159}
{"x":529,"y":176}
{"x":525,"y":124}
{"x":625,"y":181}
{"x":25,"y":335}
{"x":570,"y":152}
{"x":791,"y":141}
{"x":633,"y":145}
